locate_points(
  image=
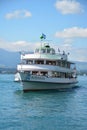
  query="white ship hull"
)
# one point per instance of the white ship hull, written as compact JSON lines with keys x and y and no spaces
{"x":43,"y":83}
{"x":46,"y":86}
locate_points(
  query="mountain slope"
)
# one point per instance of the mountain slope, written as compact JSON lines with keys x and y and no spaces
{"x":9,"y":59}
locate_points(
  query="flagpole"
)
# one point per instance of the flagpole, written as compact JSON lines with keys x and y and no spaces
{"x":43,"y":36}
{"x":41,"y":44}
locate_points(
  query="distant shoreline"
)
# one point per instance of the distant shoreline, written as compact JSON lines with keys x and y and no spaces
{"x":7,"y":70}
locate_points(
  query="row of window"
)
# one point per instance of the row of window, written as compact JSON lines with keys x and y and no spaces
{"x":48,"y":62}
{"x":45,"y":50}
{"x":52,"y":74}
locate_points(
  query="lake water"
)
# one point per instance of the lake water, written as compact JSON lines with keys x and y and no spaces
{"x":42,"y":110}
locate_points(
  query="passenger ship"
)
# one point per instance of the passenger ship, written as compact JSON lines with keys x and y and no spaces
{"x":46,"y":69}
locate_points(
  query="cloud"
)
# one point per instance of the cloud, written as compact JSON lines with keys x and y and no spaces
{"x":78,"y":54}
{"x":18,"y":45}
{"x":74,"y":32}
{"x":68,"y":7}
{"x":68,"y":35}
{"x":18,"y":14}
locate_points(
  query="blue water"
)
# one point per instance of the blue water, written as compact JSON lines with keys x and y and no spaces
{"x":42,"y":110}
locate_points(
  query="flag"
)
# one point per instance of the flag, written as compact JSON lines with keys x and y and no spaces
{"x":43,"y":36}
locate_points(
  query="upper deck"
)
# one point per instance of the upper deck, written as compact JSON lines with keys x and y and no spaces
{"x":45,"y":52}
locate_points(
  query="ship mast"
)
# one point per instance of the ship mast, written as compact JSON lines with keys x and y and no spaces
{"x":42,"y":37}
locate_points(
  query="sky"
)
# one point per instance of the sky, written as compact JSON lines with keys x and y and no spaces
{"x":64,"y":22}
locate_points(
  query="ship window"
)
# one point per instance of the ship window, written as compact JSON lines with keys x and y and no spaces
{"x":52,"y":51}
{"x":29,"y":61}
{"x":61,"y":63}
{"x":68,"y":65}
{"x":42,"y":50}
{"x":62,"y":75}
{"x":40,"y":73}
{"x":48,"y":62}
{"x":34,"y":72}
{"x":48,"y":50}
{"x":43,"y":73}
{"x":51,"y":62}
{"x":39,"y":61}
{"x":54,"y":63}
